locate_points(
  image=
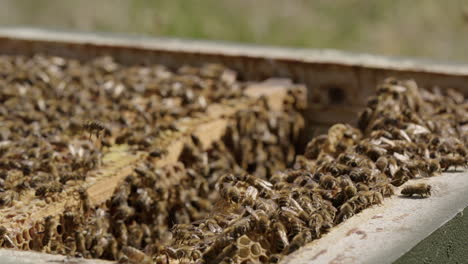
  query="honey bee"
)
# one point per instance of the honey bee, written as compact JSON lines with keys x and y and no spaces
{"x":315,"y":224}
{"x":120,"y":195}
{"x":384,"y":187}
{"x":422,"y":189}
{"x":250,"y":196}
{"x":306,"y":180}
{"x":48,"y":189}
{"x":398,"y":181}
{"x":279,"y":232}
{"x":216,"y":247}
{"x":314,"y":146}
{"x":120,"y":231}
{"x":80,"y":242}
{"x":21,"y":187}
{"x":112,"y":250}
{"x":239,"y":228}
{"x":70,"y":246}
{"x":135,"y":234}
{"x":302,"y":163}
{"x":350,"y":191}
{"x":460,"y":149}
{"x":298,"y":241}
{"x":362,"y":174}
{"x":448,"y":161}
{"x":340,"y":169}
{"x":93,"y":127}
{"x":49,"y":227}
{"x":136,"y":256}
{"x":124,"y":211}
{"x":291,"y":175}
{"x":7,"y":197}
{"x":374,"y":152}
{"x":99,"y":247}
{"x":231,"y":194}
{"x":143,"y":199}
{"x":75,"y":176}
{"x":4,"y":237}
{"x":382,"y":163}
{"x":328,"y":182}
{"x":257,"y":182}
{"x":275,"y":258}
{"x":262,"y":222}
{"x":370,"y":198}
{"x":365,"y":118}
{"x":227,"y":252}
{"x":264,"y":205}
{"x":85,"y":202}
{"x":345,"y":212}
{"x":70,"y":221}
{"x":283,"y":199}
{"x":182,"y":252}
{"x":434,"y":166}
{"x":157,"y":153}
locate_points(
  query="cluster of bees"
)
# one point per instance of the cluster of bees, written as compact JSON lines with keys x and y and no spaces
{"x":52,"y":140}
{"x":46,"y":104}
{"x":139,"y":223}
{"x":404,"y":133}
{"x":263,"y":141}
{"x":248,"y":198}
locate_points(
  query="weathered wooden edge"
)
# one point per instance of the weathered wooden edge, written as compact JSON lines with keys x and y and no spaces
{"x":382,"y":234}
{"x":237,"y":49}
{"x":8,"y":256}
{"x":337,"y":82}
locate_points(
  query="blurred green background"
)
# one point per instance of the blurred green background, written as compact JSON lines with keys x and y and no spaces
{"x":418,"y":28}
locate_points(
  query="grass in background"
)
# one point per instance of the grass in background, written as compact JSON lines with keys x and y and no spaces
{"x":420,"y":28}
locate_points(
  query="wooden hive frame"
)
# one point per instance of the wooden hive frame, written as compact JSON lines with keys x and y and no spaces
{"x":24,"y":219}
{"x":337,"y":84}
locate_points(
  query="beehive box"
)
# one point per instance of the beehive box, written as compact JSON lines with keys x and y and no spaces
{"x":337,"y":87}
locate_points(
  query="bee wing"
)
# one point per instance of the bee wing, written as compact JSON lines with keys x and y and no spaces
{"x":265,"y":184}
{"x":283,"y":237}
{"x":400,"y":157}
{"x":251,"y":212}
{"x":80,"y":152}
{"x":404,"y":135}
{"x":381,"y":149}
{"x":296,"y":205}
{"x":414,"y":129}
{"x":393,"y":168}
{"x":214,"y":228}
{"x":399,"y":88}
{"x":72,"y":149}
{"x":387,"y":141}
{"x":289,"y":210}
{"x":251,"y":192}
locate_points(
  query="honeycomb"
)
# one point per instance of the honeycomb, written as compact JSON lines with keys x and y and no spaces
{"x":63,"y":120}
{"x":246,"y":197}
{"x":404,"y":132}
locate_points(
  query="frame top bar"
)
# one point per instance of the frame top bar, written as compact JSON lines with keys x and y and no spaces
{"x":325,"y":56}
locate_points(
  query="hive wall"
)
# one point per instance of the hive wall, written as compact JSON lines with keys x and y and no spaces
{"x":338,"y":83}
